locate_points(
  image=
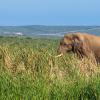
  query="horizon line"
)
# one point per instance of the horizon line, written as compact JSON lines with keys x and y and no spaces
{"x":46,"y":25}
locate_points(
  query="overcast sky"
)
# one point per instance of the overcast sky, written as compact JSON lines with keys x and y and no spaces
{"x":49,"y":12}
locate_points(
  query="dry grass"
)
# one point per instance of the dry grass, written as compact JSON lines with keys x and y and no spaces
{"x":27,"y":61}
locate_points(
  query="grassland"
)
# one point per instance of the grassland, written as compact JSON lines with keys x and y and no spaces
{"x":30,"y":71}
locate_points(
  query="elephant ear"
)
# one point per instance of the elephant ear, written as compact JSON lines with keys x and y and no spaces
{"x":77,"y":41}
{"x":80,"y":45}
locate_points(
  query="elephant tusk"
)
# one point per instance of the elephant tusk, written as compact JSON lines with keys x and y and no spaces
{"x":59,"y":55}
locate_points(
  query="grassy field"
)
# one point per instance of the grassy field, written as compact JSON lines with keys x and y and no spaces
{"x":30,"y":71}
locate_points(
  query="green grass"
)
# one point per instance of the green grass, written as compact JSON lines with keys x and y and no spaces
{"x":30,"y":71}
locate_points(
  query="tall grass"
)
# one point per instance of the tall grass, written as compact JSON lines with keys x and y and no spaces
{"x":30,"y":71}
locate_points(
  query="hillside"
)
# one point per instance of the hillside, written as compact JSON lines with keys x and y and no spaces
{"x":40,"y":30}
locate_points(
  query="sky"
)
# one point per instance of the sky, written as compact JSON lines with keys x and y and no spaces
{"x":49,"y":12}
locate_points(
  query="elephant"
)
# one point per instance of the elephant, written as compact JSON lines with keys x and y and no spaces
{"x":82,"y":44}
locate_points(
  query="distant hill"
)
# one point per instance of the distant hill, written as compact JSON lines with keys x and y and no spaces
{"x":40,"y":30}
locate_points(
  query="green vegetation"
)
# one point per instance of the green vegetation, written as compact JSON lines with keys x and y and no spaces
{"x":30,"y":71}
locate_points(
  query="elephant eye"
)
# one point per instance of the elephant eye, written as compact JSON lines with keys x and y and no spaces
{"x":65,"y":44}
